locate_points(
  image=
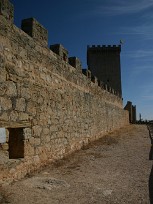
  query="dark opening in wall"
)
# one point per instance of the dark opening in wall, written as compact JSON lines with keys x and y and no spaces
{"x":16,"y":143}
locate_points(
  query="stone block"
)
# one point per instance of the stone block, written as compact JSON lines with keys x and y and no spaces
{"x":20,"y":104}
{"x":46,"y":131}
{"x":23,"y":116}
{"x":5,"y":146}
{"x":31,"y":141}
{"x":37,"y":141}
{"x":13,"y":116}
{"x":37,"y":130}
{"x":29,"y":150}
{"x":36,"y":159}
{"x":5,"y":103}
{"x":27,"y":133}
{"x":7,"y":135}
{"x":8,"y":88}
{"x":45,"y":139}
{"x":4,"y":117}
{"x":31,"y":109}
{"x":25,"y":93}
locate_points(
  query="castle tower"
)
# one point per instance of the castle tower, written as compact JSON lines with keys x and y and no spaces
{"x":104,"y":63}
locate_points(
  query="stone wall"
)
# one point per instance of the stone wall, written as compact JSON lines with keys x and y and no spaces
{"x":132,"y":112}
{"x":50,"y":107}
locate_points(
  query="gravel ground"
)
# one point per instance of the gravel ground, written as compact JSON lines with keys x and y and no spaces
{"x":115,"y":169}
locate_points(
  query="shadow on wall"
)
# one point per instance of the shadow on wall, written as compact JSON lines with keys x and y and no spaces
{"x":150,"y":128}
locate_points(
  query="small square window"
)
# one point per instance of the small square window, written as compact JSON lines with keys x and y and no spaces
{"x":16,"y":143}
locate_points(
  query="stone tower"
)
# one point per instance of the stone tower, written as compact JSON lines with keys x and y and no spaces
{"x":104,"y":63}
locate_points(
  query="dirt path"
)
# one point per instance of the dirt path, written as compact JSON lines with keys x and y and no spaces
{"x":115,"y":169}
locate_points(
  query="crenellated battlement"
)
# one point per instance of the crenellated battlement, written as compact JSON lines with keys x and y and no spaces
{"x":40,"y":35}
{"x":34,"y":29}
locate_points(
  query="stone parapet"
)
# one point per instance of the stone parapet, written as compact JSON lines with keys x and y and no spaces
{"x":75,"y":62}
{"x":34,"y":29}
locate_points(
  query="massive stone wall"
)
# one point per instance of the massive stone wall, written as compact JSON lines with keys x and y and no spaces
{"x":48,"y":104}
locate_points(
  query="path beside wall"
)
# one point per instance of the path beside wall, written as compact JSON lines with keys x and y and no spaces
{"x":115,"y":169}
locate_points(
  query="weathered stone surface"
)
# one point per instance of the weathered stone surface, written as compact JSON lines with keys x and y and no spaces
{"x":20,"y":104}
{"x":46,"y":131}
{"x":37,"y":130}
{"x":11,"y":89}
{"x":27,"y":133}
{"x":31,"y":109}
{"x":5,"y":103}
{"x":37,"y":141}
{"x":5,"y":147}
{"x":29,"y":150}
{"x":23,"y":116}
{"x":13,"y":116}
{"x":4,"y":116}
{"x":25,"y":93}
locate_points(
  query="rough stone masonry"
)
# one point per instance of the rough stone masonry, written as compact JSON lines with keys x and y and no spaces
{"x":48,"y":108}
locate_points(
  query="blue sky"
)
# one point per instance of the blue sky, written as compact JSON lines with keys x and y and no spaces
{"x":78,"y":23}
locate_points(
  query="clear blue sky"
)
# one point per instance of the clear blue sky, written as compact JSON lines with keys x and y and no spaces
{"x":78,"y":23}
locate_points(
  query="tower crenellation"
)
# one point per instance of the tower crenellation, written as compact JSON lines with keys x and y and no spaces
{"x":104,"y":46}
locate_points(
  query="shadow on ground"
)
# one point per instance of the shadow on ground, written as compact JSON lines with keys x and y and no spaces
{"x":150,"y":128}
{"x":151,"y":186}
